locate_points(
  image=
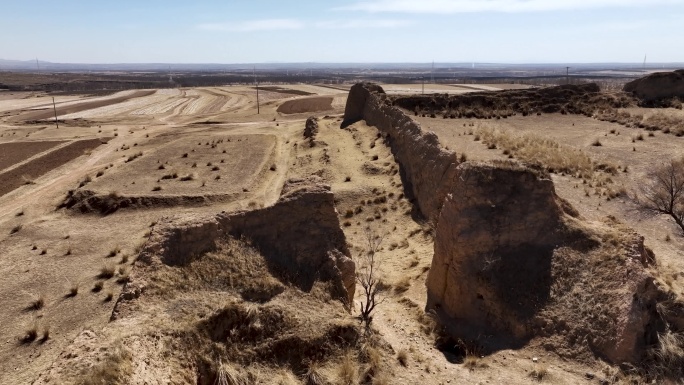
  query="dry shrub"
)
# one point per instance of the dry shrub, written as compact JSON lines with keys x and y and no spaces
{"x":540,"y":372}
{"x":668,"y":356}
{"x":106,"y":272}
{"x":114,"y":369}
{"x":664,"y":122}
{"x":402,"y":285}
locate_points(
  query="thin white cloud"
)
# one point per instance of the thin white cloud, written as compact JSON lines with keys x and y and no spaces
{"x":254,"y":25}
{"x":361,"y":24}
{"x":510,"y":6}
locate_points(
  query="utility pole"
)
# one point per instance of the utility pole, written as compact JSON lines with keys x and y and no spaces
{"x":567,"y":75}
{"x":55,"y":109}
{"x":37,"y":65}
{"x":644,"y":62}
{"x":257,"y":90}
{"x":423,"y":80}
{"x":432,"y":75}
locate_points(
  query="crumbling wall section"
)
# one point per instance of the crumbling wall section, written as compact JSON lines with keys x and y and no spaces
{"x":300,"y":236}
{"x":512,"y":261}
{"x":425,"y":164}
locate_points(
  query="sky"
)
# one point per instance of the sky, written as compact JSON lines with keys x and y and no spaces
{"x":342,"y":31}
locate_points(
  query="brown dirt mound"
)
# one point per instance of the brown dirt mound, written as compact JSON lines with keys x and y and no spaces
{"x":15,"y":152}
{"x":25,"y":173}
{"x":90,"y":202}
{"x":582,"y":99}
{"x":658,"y":86}
{"x":300,"y":106}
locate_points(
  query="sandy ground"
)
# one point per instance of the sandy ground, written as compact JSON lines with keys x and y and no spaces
{"x":53,"y":251}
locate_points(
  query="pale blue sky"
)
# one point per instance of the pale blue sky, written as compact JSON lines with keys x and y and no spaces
{"x":503,"y":31}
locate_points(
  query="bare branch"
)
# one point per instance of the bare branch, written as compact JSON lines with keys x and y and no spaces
{"x":663,"y":192}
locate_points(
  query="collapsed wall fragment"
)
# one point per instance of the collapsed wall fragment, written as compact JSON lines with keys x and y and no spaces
{"x":658,"y":86}
{"x":300,"y":236}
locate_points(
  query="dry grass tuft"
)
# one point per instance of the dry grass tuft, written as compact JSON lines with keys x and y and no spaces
{"x":402,"y":357}
{"x":403,"y":285}
{"x":540,"y":372}
{"x":347,"y":372}
{"x":46,"y":334}
{"x":113,"y":252}
{"x":37,"y":303}
{"x":552,"y":156}
{"x":114,"y":369}
{"x":285,"y":377}
{"x":98,"y":286}
{"x":73,"y":290}
{"x":669,"y":354}
{"x":314,"y":376}
{"x":30,"y":334}
{"x":106,"y":272}
{"x":473,"y":361}
{"x":16,"y":229}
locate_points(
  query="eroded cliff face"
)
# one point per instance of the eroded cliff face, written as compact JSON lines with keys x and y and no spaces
{"x":660,"y":85}
{"x":512,"y":260}
{"x":300,"y":236}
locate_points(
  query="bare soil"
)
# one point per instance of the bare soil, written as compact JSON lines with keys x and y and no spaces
{"x":27,"y":172}
{"x":15,"y":152}
{"x":300,"y":106}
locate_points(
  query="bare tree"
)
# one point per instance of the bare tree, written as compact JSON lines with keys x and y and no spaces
{"x":367,"y":277}
{"x":663,"y":192}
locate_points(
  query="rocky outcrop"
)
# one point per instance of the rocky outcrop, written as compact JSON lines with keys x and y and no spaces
{"x":657,"y":86}
{"x":300,"y":236}
{"x":512,"y":260}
